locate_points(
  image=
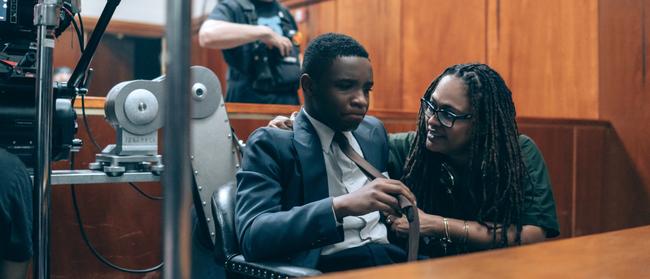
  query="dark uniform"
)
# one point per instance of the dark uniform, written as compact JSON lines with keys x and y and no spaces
{"x":15,"y":209}
{"x":257,"y":74}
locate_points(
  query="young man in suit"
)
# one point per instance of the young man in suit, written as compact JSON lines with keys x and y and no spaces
{"x":299,"y":198}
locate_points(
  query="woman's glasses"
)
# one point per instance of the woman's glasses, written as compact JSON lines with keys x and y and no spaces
{"x":446,"y":118}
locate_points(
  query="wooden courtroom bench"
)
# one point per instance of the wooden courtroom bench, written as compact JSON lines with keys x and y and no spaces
{"x":618,"y":254}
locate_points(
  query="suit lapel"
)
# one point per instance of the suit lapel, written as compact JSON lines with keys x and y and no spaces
{"x":310,"y":154}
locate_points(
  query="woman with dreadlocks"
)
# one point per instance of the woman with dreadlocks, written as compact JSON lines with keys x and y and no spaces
{"x":479,"y":183}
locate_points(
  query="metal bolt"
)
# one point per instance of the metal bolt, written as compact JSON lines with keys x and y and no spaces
{"x":192,"y":157}
{"x":208,"y":219}
{"x":204,"y":203}
{"x":200,"y":188}
{"x":196,"y":172}
{"x":142,"y":106}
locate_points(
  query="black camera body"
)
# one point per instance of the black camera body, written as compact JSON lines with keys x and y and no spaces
{"x":18,"y":87}
{"x":16,"y":19}
{"x":18,"y":121}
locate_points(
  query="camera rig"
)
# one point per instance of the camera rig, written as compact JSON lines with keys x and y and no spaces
{"x":29,"y":101}
{"x":18,"y":65}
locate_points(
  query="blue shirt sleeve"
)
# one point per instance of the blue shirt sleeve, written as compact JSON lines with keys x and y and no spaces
{"x":222,"y":12}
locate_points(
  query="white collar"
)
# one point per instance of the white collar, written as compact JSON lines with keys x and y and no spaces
{"x":325,"y":133}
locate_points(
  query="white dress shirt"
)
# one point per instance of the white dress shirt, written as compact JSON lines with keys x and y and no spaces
{"x":344,"y":176}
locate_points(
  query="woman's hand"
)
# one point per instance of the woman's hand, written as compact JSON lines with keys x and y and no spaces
{"x":400,"y":225}
{"x":283,"y":122}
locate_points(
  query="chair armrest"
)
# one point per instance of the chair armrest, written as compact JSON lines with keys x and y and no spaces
{"x":239,"y":265}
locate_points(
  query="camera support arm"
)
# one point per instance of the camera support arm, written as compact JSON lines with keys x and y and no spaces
{"x":79,"y":73}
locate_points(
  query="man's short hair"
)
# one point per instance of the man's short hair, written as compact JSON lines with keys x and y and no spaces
{"x":322,"y":51}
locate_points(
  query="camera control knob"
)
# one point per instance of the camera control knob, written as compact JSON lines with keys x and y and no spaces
{"x":141,"y":107}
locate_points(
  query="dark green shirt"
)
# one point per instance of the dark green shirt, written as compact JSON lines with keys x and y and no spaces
{"x":540,"y":205}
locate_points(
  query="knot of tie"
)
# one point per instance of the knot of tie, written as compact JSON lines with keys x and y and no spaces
{"x":341,"y":140}
{"x":367,"y":169}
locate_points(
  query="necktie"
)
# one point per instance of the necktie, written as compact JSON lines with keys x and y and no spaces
{"x":372,"y":173}
{"x":338,"y":172}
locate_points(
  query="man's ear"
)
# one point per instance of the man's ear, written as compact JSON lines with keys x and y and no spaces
{"x":307,"y":84}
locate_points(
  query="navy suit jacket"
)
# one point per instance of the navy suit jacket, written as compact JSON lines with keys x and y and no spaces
{"x":283,"y":209}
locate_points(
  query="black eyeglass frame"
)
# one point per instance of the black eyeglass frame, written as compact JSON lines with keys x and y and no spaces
{"x":449,"y":115}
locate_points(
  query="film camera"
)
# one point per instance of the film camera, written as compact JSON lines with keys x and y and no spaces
{"x":18,"y":65}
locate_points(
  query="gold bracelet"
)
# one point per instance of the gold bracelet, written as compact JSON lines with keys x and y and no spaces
{"x":445,"y":221}
{"x":445,"y":240}
{"x":466,"y":229}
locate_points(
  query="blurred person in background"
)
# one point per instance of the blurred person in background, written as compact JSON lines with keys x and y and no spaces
{"x":256,"y":39}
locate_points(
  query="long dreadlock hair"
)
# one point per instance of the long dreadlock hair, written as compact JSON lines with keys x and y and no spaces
{"x":496,"y":169}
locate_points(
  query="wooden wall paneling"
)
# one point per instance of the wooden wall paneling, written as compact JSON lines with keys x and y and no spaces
{"x":624,"y":95}
{"x":321,"y":18}
{"x":302,"y":17}
{"x":626,"y":199}
{"x":376,"y":24}
{"x":398,"y":126}
{"x":643,"y":159}
{"x":66,"y":51}
{"x":112,"y":64}
{"x":396,"y":121}
{"x":245,"y":118}
{"x":646,"y":45}
{"x":211,"y":59}
{"x":557,"y":147}
{"x":590,"y":173}
{"x":624,"y":84}
{"x":123,"y":226}
{"x":548,"y":54}
{"x":244,"y":127}
{"x":436,"y":34}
